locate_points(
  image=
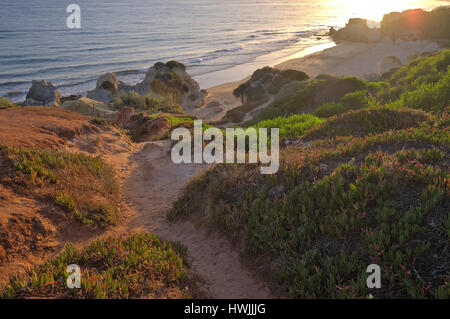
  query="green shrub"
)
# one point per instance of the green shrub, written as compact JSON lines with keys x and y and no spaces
{"x":350,"y":101}
{"x":285,"y":77}
{"x":368,"y":121}
{"x":150,"y":102}
{"x":427,"y":96}
{"x":130,"y":267}
{"x":422,"y":70}
{"x":5,"y":103}
{"x":355,"y":100}
{"x":329,"y":109}
{"x":290,"y":127}
{"x":336,"y":207}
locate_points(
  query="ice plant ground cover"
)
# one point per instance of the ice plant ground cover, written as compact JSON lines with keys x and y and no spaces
{"x":339,"y":205}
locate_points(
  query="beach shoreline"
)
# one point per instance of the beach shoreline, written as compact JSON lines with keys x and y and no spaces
{"x":364,"y":60}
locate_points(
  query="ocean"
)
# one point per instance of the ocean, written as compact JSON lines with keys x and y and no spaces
{"x":211,"y":37}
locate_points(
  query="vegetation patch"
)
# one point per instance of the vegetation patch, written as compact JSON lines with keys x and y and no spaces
{"x":237,"y":114}
{"x":367,"y":121}
{"x":84,"y":186}
{"x":137,"y":266}
{"x":290,"y":127}
{"x":5,"y":103}
{"x":149,"y":103}
{"x":422,"y":84}
{"x":336,"y":207}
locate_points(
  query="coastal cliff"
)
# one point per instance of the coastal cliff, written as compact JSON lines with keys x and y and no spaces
{"x":409,"y":25}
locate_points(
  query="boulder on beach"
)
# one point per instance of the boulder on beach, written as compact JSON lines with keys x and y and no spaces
{"x":171,"y":79}
{"x":356,"y":30}
{"x":89,"y":107}
{"x":106,"y":89}
{"x":42,"y":93}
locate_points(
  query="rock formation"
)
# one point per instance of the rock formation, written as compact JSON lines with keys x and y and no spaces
{"x":417,"y":24}
{"x":89,"y":107}
{"x":170,"y":79}
{"x":409,"y":25}
{"x":265,"y":82}
{"x":142,"y":127}
{"x":123,"y":119}
{"x":106,"y":89}
{"x":42,"y":93}
{"x":356,"y":30}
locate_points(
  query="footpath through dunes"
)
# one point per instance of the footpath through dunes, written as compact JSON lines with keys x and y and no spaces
{"x":36,"y":175}
{"x":153,"y":184}
{"x":50,"y":198}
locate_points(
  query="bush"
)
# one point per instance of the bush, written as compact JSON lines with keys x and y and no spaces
{"x":290,"y":127}
{"x":285,"y":77}
{"x":151,"y":102}
{"x":368,"y":121}
{"x":355,"y":100}
{"x":350,"y":101}
{"x":422,"y":70}
{"x":329,"y":109}
{"x":5,"y":103}
{"x":428,"y":96}
{"x":287,"y":91}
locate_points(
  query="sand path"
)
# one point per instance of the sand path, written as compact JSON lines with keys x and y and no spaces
{"x":153,"y":184}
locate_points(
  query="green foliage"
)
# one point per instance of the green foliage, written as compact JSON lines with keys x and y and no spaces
{"x":290,"y":127}
{"x":423,"y":70}
{"x":5,"y":103}
{"x":285,"y":77}
{"x":324,"y":90}
{"x":98,"y":120}
{"x":150,"y":103}
{"x":329,"y":109}
{"x":367,"y":121}
{"x":427,"y":96}
{"x":339,"y":205}
{"x":422,"y":84}
{"x":355,"y":100}
{"x":350,"y":101}
{"x":129,"y":267}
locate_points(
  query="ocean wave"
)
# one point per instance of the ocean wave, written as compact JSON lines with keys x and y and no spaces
{"x":239,"y":48}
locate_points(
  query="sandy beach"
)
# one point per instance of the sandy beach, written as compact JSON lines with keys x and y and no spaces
{"x":365,"y":60}
{"x":359,"y":59}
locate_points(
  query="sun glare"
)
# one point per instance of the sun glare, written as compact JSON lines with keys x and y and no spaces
{"x":375,"y":9}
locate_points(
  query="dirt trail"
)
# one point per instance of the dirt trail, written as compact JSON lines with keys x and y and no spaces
{"x":153,"y":183}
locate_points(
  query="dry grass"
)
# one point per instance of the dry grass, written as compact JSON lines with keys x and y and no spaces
{"x":84,"y":186}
